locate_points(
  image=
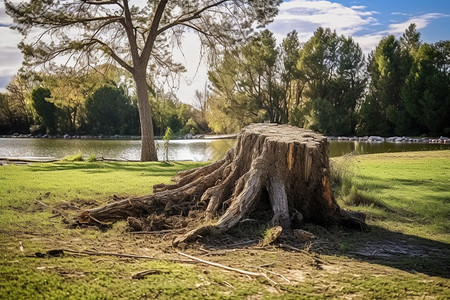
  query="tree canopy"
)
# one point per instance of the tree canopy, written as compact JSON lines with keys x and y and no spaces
{"x":325,"y":84}
{"x":138,"y":36}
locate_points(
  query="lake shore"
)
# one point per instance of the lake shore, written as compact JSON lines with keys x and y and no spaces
{"x":369,"y":139}
{"x":118,"y":136}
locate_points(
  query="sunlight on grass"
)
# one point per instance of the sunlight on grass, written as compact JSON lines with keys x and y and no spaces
{"x":403,"y":192}
{"x":406,"y":189}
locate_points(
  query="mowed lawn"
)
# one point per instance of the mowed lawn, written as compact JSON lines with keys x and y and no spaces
{"x":412,"y":188}
{"x":406,"y":197}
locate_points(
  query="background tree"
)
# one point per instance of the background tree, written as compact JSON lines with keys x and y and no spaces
{"x":426,"y":92}
{"x":384,"y":95}
{"x":200,"y":109}
{"x":397,"y":114}
{"x":46,"y":111}
{"x":108,"y":111}
{"x":246,"y":86}
{"x":333,"y":83}
{"x":135,"y":37}
{"x":229,"y":107}
{"x":15,"y":113}
{"x":291,"y":76}
{"x":70,"y":89}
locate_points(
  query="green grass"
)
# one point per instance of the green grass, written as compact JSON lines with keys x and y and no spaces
{"x":75,"y":157}
{"x":405,"y":196}
{"x":407,"y":192}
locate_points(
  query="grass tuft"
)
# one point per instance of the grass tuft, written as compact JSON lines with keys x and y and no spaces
{"x":75,"y":157}
{"x":361,"y":198}
{"x":342,"y":173}
{"x":92,"y":158}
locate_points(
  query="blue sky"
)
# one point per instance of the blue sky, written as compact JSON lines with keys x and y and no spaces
{"x":366,"y":21}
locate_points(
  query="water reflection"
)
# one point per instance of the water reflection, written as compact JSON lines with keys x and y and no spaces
{"x":197,"y":150}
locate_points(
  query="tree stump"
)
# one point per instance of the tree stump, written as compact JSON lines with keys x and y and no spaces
{"x":278,"y":166}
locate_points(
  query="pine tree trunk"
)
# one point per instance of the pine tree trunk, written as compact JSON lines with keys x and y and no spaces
{"x":278,"y":166}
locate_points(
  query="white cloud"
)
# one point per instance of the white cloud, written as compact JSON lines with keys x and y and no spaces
{"x":358,"y":7}
{"x":10,"y":55}
{"x":306,"y":15}
{"x":368,"y":42}
{"x":421,"y":22}
{"x":400,"y":14}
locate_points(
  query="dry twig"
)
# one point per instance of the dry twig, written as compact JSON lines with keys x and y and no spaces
{"x":248,"y":273}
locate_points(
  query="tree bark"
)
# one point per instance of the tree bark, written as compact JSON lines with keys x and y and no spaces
{"x":280,"y":167}
{"x":148,"y":150}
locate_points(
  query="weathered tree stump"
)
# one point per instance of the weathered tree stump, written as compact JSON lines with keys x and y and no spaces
{"x":278,"y":166}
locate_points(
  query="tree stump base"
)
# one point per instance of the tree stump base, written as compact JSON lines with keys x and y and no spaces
{"x":281,"y":167}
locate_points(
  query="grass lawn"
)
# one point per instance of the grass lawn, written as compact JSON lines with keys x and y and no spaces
{"x":405,"y":254}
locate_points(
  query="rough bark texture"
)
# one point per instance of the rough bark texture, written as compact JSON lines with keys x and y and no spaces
{"x":148,"y":151}
{"x":280,"y":167}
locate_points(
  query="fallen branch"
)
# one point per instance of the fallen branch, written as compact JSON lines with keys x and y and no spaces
{"x":277,"y":274}
{"x":89,"y":252}
{"x":159,"y":231}
{"x":248,"y":273}
{"x":143,"y":274}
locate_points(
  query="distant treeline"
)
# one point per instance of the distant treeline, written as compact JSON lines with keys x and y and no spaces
{"x":325,"y":84}
{"x":65,"y":103}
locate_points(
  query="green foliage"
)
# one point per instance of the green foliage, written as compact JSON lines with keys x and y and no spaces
{"x":246,"y":86}
{"x":14,"y":113}
{"x":92,"y":158}
{"x":110,"y":112}
{"x":168,"y":111}
{"x":46,"y":111}
{"x":333,"y":82}
{"x":409,"y":91}
{"x":318,"y":86}
{"x":426,"y":92}
{"x":324,"y":85}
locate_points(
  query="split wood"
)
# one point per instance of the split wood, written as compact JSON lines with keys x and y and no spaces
{"x":248,"y":273}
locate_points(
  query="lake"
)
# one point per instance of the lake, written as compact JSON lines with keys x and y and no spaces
{"x":196,"y":150}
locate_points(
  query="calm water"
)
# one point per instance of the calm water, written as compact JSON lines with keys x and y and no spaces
{"x":197,"y":150}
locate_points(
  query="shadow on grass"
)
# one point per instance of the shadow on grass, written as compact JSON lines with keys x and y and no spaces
{"x":376,"y":246}
{"x":374,"y":183}
{"x":389,"y":248}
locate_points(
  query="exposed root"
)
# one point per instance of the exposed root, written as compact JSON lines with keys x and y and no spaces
{"x":281,"y":167}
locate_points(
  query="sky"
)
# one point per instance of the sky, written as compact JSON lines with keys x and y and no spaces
{"x":366,"y":21}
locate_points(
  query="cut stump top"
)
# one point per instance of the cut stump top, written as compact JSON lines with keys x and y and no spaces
{"x":284,"y":133}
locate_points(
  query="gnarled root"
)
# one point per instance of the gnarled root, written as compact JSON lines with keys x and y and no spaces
{"x":282,"y":167}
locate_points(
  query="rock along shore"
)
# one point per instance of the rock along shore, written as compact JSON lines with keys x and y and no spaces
{"x":369,"y":139}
